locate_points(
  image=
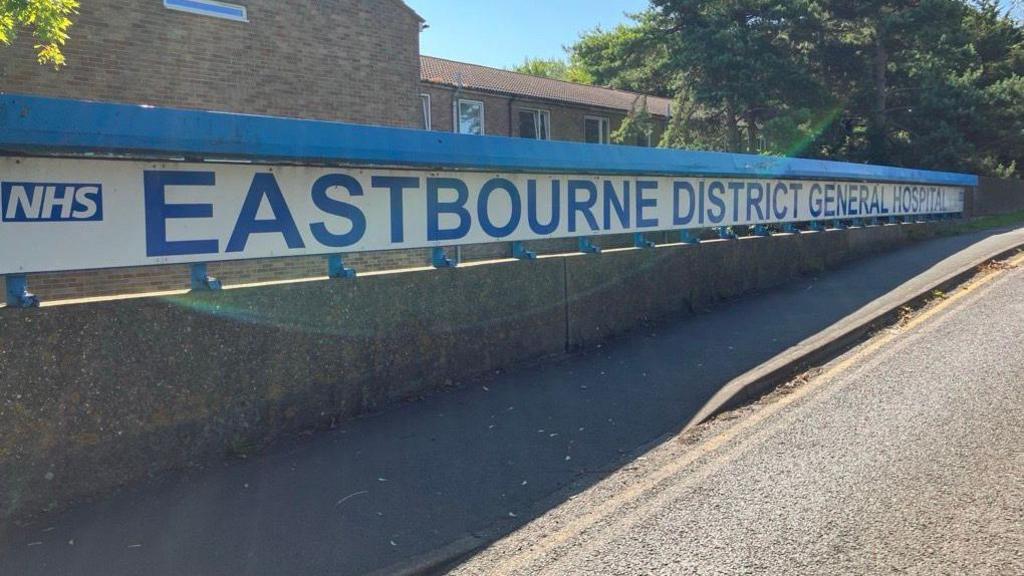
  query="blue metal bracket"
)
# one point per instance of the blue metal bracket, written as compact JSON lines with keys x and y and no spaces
{"x":790,"y":228}
{"x":689,"y":237}
{"x":336,"y":267}
{"x":520,"y":252}
{"x":838,"y":225}
{"x":641,"y":241}
{"x":201,"y":281}
{"x":817,"y":226}
{"x":725,"y":233}
{"x":762,"y":230}
{"x":440,"y":259}
{"x":587,"y":246}
{"x":18,"y":295}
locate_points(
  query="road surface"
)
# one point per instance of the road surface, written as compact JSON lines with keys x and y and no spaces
{"x":905,"y":456}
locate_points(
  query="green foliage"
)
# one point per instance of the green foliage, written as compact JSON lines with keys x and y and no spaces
{"x":637,"y":127}
{"x":925,"y":83}
{"x":49,"y":21}
{"x":553,"y":68}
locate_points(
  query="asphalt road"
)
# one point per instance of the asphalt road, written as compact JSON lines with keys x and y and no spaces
{"x":394,"y":489}
{"x":905,"y":456}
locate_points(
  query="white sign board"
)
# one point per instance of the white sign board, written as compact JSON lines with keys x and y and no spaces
{"x":59,"y":214}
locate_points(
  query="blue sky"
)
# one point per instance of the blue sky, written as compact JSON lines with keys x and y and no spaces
{"x":501,"y":34}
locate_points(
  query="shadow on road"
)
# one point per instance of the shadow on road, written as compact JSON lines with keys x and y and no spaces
{"x":385,"y":489}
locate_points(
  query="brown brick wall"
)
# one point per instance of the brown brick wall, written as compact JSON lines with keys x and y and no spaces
{"x":347,"y":60}
{"x":567,"y":121}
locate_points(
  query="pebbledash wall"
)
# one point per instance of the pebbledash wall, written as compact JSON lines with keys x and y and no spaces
{"x":141,"y":386}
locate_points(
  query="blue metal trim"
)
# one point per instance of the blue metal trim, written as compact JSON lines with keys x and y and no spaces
{"x":201,"y":280}
{"x":34,"y":124}
{"x":762,"y":230}
{"x":587,"y":246}
{"x":790,"y":228}
{"x":817,"y":226}
{"x":520,"y":252}
{"x":18,"y":295}
{"x":336,"y":267}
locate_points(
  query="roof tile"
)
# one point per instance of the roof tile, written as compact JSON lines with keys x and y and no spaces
{"x":473,"y":76}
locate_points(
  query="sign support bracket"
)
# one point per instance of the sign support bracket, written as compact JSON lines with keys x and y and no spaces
{"x":201,"y":280}
{"x":586,"y":245}
{"x":336,"y":268}
{"x":520,"y":252}
{"x":18,"y":295}
{"x":640,"y":241}
{"x":440,"y":259}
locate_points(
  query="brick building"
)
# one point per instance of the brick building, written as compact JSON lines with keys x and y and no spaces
{"x":345,"y":60}
{"x":472,"y":99}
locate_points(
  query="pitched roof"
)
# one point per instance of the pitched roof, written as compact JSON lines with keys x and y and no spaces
{"x":475,"y":77}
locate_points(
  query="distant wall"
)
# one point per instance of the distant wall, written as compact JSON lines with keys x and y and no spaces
{"x":996,"y":196}
{"x":96,"y":395}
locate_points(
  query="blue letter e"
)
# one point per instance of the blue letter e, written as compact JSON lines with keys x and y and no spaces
{"x":158,"y":212}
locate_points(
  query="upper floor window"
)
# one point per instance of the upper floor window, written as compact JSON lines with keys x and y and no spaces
{"x":210,"y":8}
{"x":425,"y":102}
{"x":596,"y":130}
{"x":470,"y":117}
{"x":535,"y":124}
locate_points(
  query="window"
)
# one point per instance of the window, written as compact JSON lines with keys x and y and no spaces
{"x":425,"y":101}
{"x":535,"y":124}
{"x":470,"y":117}
{"x":210,"y":8}
{"x":596,"y":130}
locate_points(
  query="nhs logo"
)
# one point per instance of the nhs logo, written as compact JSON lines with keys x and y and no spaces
{"x":43,"y":202}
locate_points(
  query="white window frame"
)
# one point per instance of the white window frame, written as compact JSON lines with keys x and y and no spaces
{"x":458,"y":115}
{"x":537,"y":114}
{"x":604,"y":122}
{"x":211,"y":8}
{"x":425,"y":104}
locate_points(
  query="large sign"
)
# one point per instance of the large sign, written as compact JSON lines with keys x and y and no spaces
{"x":58,"y":214}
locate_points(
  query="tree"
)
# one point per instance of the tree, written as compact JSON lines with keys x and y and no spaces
{"x":637,"y":127}
{"x":49,"y":21}
{"x":925,"y":83}
{"x":553,"y":68}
